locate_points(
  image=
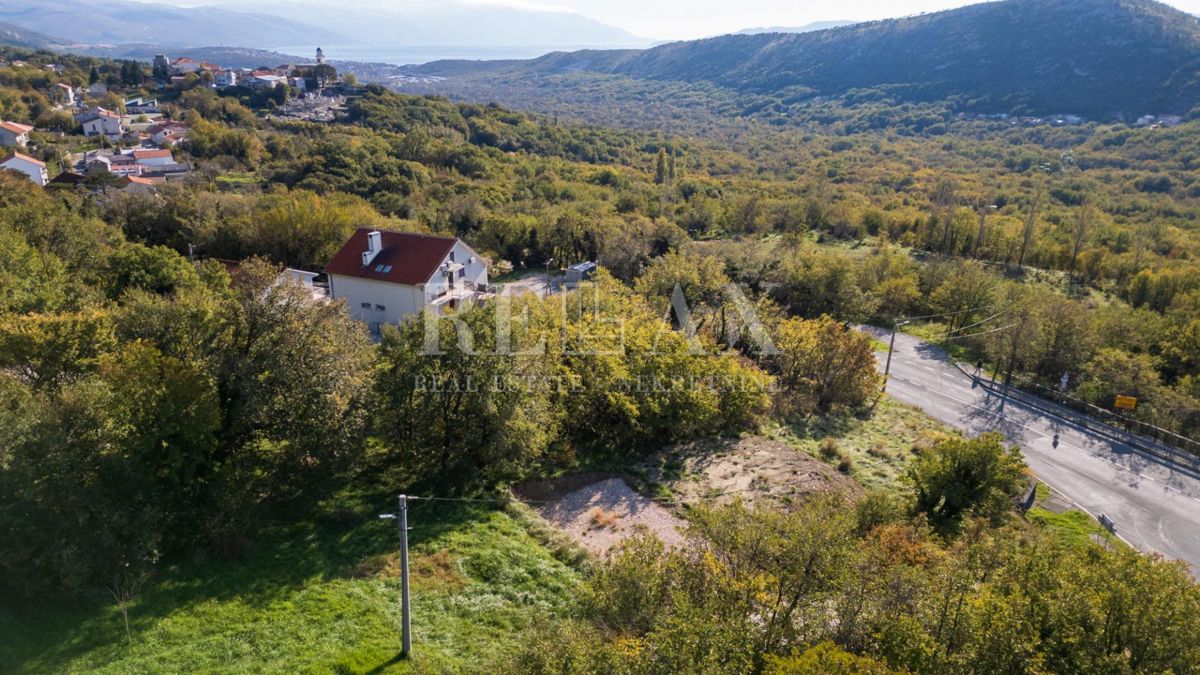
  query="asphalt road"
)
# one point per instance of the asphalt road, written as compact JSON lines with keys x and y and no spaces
{"x":1154,"y":506}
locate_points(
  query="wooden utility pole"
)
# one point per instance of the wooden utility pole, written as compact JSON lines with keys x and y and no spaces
{"x":887,"y":367}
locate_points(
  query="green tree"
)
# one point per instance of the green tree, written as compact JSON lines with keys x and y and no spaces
{"x":822,"y":363}
{"x":959,"y":477}
{"x":471,"y":414}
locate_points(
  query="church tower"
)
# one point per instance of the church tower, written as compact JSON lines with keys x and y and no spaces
{"x":320,"y":56}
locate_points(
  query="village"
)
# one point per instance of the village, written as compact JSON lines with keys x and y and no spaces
{"x":121,"y":138}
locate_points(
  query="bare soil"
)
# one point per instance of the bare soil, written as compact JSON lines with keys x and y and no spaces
{"x":751,"y":468}
{"x":603,"y":514}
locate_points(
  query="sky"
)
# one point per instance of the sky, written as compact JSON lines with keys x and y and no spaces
{"x":688,"y":19}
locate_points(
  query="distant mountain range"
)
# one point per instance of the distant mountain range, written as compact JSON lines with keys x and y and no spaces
{"x":274,"y":23}
{"x":1093,"y":57}
{"x":114,"y":22}
{"x":453,"y":24}
{"x":806,"y":28}
{"x":22,"y":37}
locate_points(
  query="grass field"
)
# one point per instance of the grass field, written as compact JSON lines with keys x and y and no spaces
{"x":874,"y":446}
{"x":319,"y":597}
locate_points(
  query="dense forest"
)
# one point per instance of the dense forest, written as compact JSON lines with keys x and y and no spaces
{"x":156,"y":409}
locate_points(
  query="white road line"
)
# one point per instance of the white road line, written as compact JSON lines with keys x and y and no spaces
{"x":1043,"y":434}
{"x":1097,"y":519}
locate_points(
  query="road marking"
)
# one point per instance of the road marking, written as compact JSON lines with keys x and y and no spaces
{"x":1041,"y":433}
{"x":1093,"y":517}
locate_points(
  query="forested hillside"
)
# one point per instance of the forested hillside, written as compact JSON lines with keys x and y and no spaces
{"x":1097,"y":58}
{"x":194,"y":453}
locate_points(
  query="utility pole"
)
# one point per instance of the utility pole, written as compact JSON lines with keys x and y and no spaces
{"x":405,"y":614}
{"x":887,"y":368}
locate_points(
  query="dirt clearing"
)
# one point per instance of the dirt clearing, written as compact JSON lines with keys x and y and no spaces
{"x":603,"y":514}
{"x":751,"y":468}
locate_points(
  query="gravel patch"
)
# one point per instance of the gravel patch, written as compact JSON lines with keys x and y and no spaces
{"x":601,"y":515}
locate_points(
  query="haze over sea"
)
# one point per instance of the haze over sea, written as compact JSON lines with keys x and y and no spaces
{"x":406,"y":54}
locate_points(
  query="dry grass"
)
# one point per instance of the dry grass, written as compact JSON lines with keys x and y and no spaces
{"x":602,"y":519}
{"x":873,"y":446}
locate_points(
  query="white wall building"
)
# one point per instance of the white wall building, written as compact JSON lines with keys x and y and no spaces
{"x":148,"y":158}
{"x":103,"y":123}
{"x":36,"y":170}
{"x":14,"y":135}
{"x":385,"y":277}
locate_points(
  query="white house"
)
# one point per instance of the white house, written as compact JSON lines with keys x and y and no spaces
{"x":265,"y":81}
{"x":27,"y":165}
{"x":166,"y":132}
{"x":118,"y":164}
{"x":102,"y":123}
{"x":67,"y":92}
{"x":97,"y":89}
{"x":385,"y":277}
{"x":14,"y":135}
{"x":184,"y":65}
{"x":225,"y":78}
{"x":149,"y":158}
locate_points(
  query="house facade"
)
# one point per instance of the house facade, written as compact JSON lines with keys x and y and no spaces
{"x":13,"y":135}
{"x":35,"y":169}
{"x":101,"y":122}
{"x":386,"y":277}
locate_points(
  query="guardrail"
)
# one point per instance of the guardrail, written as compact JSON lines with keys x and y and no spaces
{"x":1171,"y":455}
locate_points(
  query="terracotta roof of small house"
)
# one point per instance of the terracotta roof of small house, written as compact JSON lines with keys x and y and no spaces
{"x":151,"y":154}
{"x":27,"y":158}
{"x":130,"y":180}
{"x":405,"y":258}
{"x":16,"y":128}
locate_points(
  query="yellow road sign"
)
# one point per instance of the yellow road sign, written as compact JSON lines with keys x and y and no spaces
{"x":1125,"y":403}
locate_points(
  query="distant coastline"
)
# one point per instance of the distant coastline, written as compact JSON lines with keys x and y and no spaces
{"x":403,"y":54}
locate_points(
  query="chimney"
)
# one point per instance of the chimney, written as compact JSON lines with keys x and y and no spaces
{"x":374,"y":246}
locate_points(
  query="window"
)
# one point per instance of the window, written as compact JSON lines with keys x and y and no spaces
{"x":387,"y":268}
{"x":462,"y":273}
{"x":451,"y":256}
{"x":379,"y":268}
{"x":366,"y":305}
{"x":380,"y":308}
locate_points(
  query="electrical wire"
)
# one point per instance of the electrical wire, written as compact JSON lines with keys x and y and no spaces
{"x":934,"y":316}
{"x":616,"y":501}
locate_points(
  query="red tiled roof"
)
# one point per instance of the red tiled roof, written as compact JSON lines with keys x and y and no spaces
{"x":142,"y":181}
{"x":27,"y":158}
{"x":150,"y":154}
{"x":413,"y":258}
{"x":16,"y":128}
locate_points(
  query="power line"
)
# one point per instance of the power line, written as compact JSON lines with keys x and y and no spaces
{"x":614,"y":501}
{"x":960,"y":311}
{"x":972,"y":325}
{"x":959,"y":337}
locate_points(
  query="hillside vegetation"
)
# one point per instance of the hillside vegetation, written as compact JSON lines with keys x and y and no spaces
{"x":193,"y":461}
{"x":1092,"y":57}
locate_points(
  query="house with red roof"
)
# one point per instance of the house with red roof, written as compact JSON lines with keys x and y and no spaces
{"x":147,"y":158}
{"x":13,"y":135}
{"x":35,"y":169}
{"x":386,"y":277}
